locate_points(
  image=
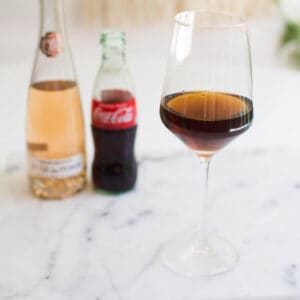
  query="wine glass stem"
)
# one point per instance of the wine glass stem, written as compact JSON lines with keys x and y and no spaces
{"x":202,"y":228}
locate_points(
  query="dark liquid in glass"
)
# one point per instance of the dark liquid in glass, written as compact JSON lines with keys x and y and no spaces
{"x":206,"y":121}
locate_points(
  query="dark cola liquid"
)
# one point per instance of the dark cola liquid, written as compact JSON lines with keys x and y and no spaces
{"x":114,"y":167}
{"x":206,"y":121}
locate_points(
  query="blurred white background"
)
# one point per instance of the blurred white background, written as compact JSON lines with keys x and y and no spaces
{"x":147,"y":52}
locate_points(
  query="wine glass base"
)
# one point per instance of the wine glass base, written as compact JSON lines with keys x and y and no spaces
{"x":185,"y":256}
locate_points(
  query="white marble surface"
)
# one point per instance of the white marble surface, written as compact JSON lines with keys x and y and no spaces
{"x":97,"y":246}
{"x":103,"y":247}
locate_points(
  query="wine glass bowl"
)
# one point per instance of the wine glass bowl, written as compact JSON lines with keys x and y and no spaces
{"x":206,"y":121}
{"x":206,"y":102}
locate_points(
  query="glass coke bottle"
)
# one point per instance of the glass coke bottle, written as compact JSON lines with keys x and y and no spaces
{"x":114,"y":118}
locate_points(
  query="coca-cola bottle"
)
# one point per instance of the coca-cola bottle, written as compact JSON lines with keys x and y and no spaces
{"x":55,"y":129}
{"x":114,"y":118}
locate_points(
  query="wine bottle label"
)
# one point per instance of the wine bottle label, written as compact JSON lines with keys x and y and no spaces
{"x":51,"y":44}
{"x":114,"y":115}
{"x":37,"y":147}
{"x":58,"y":168}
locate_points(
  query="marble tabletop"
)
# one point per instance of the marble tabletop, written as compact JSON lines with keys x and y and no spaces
{"x":107,"y":247}
{"x":99,"y":246}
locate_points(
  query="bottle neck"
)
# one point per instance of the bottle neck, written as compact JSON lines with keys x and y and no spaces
{"x":113,"y":57}
{"x":52,"y":17}
{"x":53,"y":59}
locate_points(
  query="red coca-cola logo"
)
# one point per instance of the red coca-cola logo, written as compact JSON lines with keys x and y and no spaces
{"x":51,"y":44}
{"x":114,"y":115}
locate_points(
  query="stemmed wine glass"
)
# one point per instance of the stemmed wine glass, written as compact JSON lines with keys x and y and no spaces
{"x":206,"y":103}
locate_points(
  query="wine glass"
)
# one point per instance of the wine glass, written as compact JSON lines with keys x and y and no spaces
{"x":206,"y":103}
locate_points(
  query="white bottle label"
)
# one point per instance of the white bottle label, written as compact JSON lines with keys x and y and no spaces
{"x":58,"y":168}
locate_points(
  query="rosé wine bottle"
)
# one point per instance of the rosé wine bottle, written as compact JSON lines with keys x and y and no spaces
{"x":55,"y":129}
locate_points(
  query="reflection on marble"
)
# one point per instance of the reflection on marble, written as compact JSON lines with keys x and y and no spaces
{"x":107,"y":247}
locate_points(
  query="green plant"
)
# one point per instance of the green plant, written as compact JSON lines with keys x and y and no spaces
{"x":291,"y":33}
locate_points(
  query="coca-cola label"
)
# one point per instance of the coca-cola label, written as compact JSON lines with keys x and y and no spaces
{"x":51,"y":44}
{"x":114,"y":115}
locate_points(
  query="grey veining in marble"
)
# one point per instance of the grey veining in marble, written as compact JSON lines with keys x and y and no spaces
{"x":107,"y":247}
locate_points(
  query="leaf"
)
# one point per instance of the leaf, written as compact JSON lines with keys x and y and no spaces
{"x":291,"y":33}
{"x":295,"y":58}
